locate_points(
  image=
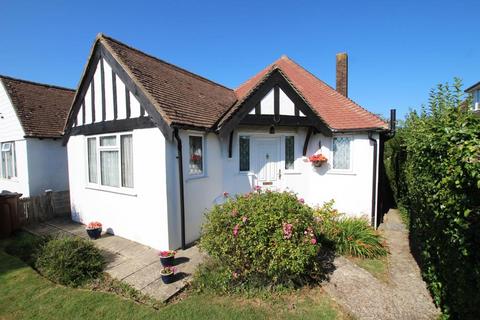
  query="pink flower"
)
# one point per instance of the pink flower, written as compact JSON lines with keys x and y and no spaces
{"x":257,"y":188}
{"x":225,"y":194}
{"x":313,"y":241}
{"x":235,"y":230}
{"x":244,"y":219}
{"x":235,"y":275}
{"x":287,"y":230}
{"x":301,"y":200}
{"x":234,"y":212}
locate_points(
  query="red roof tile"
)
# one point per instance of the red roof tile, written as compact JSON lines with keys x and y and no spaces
{"x":338,"y":111}
{"x":41,"y":108}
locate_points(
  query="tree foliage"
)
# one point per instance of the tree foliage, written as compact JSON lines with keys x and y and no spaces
{"x":434,"y":166}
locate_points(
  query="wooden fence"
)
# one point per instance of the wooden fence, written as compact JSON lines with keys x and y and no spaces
{"x":44,"y":207}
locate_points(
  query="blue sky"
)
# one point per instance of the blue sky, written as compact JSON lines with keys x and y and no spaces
{"x":398,"y":50}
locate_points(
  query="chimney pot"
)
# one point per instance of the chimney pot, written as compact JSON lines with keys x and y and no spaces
{"x":342,"y":74}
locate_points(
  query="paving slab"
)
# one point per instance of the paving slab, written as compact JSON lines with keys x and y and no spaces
{"x":129,"y":261}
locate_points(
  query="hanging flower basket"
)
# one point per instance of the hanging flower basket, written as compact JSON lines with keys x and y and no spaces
{"x":94,"y":230}
{"x":317,"y":159}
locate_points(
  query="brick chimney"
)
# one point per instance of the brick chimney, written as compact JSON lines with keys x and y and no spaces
{"x":342,"y":73}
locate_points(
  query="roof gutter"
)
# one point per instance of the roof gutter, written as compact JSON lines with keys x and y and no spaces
{"x":180,"y":181}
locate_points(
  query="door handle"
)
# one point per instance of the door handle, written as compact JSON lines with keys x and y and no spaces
{"x":279,"y":174}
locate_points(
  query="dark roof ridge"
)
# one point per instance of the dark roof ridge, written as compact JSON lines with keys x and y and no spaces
{"x":180,"y":69}
{"x":36,"y":83}
{"x":335,"y":91}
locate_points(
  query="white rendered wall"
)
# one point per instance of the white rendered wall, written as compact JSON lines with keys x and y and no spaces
{"x":141,"y":216}
{"x":201,"y":192}
{"x":11,"y":130}
{"x":352,"y":191}
{"x":47,"y":165}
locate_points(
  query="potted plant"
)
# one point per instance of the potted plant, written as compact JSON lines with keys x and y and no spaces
{"x":168,"y":274}
{"x":166,"y":257}
{"x":317,"y":159}
{"x":94,"y":230}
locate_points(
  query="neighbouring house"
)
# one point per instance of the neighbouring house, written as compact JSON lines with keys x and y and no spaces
{"x":152,"y":146}
{"x":475,"y":92}
{"x":32,"y":120}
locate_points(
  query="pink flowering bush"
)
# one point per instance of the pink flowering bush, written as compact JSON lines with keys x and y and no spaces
{"x":264,"y":237}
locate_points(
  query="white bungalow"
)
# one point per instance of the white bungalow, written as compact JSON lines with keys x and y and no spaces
{"x":32,"y":119}
{"x":152,"y":146}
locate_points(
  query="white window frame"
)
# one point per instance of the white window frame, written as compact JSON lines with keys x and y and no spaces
{"x":342,"y":171}
{"x":14,"y":159}
{"x":98,"y":185}
{"x":204,"y":155}
{"x":476,"y":100}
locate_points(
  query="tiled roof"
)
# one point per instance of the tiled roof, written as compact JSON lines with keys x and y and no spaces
{"x":180,"y":96}
{"x":41,"y":108}
{"x":336,"y":110}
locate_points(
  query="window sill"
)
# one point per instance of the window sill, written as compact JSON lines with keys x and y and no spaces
{"x":122,"y":191}
{"x":245,"y":173}
{"x":341,"y":172}
{"x":15,"y":180}
{"x":291,"y":173}
{"x":193,"y":177}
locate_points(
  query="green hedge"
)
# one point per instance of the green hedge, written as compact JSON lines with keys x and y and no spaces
{"x":434,"y":166}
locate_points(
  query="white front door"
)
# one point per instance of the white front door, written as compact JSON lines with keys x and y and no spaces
{"x":267,"y":158}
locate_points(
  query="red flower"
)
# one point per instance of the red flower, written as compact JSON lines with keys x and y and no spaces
{"x":94,"y":225}
{"x":166,"y":253}
{"x":317,"y":158}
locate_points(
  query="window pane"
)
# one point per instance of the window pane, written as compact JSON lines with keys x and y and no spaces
{"x":9,"y":169}
{"x":196,"y":155}
{"x":110,"y":141}
{"x":92,"y":160}
{"x":127,"y":161}
{"x":289,"y":152}
{"x":341,"y":153}
{"x":109,"y":168}
{"x":244,"y":153}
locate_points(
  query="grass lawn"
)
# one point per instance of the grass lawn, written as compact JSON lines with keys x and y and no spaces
{"x":24,"y":294}
{"x":378,"y":267}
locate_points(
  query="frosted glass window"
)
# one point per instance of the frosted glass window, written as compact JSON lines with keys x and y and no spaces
{"x":244,"y":152}
{"x":109,"y":168}
{"x":341,"y":153}
{"x":196,"y":155}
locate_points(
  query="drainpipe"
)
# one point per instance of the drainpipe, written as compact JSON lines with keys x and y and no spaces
{"x":374,"y":183}
{"x":180,"y":180}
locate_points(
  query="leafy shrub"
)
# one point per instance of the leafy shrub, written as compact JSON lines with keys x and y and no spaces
{"x":70,"y":261}
{"x":348,"y":236}
{"x":438,"y":182}
{"x":262,"y":239}
{"x":25,"y":246}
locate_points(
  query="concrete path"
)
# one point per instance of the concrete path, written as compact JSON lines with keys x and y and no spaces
{"x":131,"y":262}
{"x":365,"y":297}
